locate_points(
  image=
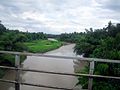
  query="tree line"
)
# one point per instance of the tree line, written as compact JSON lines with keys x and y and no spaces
{"x":70,"y":37}
{"x":101,"y":43}
{"x":13,"y":40}
{"x":98,"y":43}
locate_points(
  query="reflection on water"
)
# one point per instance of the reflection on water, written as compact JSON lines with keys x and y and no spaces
{"x":47,"y":64}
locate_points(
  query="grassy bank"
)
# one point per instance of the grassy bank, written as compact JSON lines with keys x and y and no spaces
{"x":37,"y":46}
{"x":41,"y":46}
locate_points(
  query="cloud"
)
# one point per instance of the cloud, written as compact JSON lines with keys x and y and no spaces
{"x":110,"y":4}
{"x":57,"y":16}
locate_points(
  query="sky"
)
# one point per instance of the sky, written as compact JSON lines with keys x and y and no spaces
{"x":58,"y":16}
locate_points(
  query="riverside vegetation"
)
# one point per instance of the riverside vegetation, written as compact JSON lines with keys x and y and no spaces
{"x":41,"y":46}
{"x":14,"y":40}
{"x":99,"y":43}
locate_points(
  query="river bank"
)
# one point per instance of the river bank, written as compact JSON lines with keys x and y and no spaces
{"x":36,"y":46}
{"x":47,"y":64}
{"x":42,"y":46}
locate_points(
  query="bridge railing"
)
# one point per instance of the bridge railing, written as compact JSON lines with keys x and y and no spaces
{"x":18,"y":70}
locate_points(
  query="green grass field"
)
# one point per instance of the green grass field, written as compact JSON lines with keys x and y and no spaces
{"x":41,"y":46}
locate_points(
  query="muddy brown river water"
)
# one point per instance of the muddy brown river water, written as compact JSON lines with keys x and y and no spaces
{"x":47,"y":64}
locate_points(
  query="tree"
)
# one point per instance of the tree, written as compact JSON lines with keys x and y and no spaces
{"x":101,"y":43}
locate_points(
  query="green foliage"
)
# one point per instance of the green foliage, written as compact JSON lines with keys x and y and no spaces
{"x":102,"y":68}
{"x":42,"y":46}
{"x":13,"y":40}
{"x":102,"y":43}
{"x":83,"y":80}
{"x":100,"y":85}
{"x":86,"y":48}
{"x":70,"y":37}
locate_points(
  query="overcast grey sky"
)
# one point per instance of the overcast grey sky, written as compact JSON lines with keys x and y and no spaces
{"x":58,"y":16}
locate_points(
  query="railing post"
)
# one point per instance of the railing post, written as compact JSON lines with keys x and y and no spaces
{"x":17,"y":65}
{"x":91,"y":71}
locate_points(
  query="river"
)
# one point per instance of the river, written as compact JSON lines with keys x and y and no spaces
{"x":47,"y":64}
